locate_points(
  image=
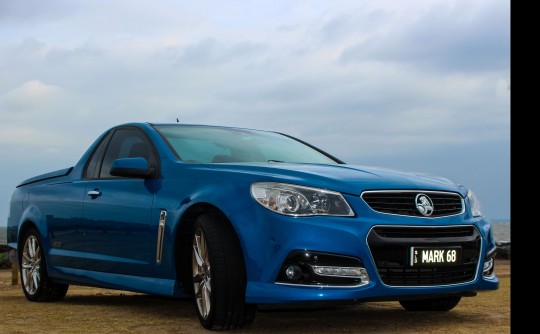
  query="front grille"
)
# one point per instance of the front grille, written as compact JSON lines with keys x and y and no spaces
{"x":424,"y":232}
{"x":390,"y":247}
{"x":404,"y":202}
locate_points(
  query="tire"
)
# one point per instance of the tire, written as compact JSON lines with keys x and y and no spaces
{"x":436,"y":304}
{"x":36,"y":284}
{"x":218,"y":275}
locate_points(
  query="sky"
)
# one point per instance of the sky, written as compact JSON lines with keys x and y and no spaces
{"x":414,"y":85}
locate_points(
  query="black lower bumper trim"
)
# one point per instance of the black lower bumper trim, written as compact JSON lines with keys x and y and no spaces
{"x":338,"y":303}
{"x":390,"y":247}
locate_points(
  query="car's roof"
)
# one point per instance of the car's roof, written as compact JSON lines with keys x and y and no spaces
{"x":202,"y":125}
{"x":194,"y":125}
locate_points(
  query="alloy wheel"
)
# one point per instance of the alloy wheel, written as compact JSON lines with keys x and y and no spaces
{"x":202,"y":277}
{"x":31,"y":264}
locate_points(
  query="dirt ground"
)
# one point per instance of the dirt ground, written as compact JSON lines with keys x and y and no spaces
{"x":91,"y":310}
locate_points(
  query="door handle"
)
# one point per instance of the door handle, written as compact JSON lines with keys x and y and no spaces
{"x":94,"y":193}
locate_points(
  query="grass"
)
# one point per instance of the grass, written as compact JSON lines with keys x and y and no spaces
{"x":92,"y":310}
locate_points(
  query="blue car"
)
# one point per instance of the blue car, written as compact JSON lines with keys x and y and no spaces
{"x":237,"y":218}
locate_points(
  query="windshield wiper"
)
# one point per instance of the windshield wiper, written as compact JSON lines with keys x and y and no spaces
{"x":275,"y":160}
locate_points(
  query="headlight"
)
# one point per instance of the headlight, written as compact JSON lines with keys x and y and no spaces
{"x":292,"y":200}
{"x":476,"y":208}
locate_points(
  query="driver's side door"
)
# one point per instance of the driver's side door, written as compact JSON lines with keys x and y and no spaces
{"x":120,"y":231}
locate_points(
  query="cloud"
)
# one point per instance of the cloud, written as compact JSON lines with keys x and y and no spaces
{"x":210,"y":52}
{"x":31,"y":96}
{"x":34,"y":11}
{"x":372,"y":81}
{"x":474,"y":37}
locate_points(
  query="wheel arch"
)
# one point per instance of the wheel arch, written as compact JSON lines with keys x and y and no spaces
{"x":25,"y":227}
{"x":182,"y":243}
{"x":31,"y":218}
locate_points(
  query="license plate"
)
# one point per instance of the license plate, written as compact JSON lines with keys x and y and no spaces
{"x":435,"y":256}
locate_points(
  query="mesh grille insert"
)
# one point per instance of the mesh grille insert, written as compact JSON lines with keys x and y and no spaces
{"x":404,"y":202}
{"x":390,"y":247}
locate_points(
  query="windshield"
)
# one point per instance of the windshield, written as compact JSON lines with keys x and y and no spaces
{"x":203,"y":144}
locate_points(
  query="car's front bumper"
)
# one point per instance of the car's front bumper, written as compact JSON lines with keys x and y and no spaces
{"x":268,"y":293}
{"x":273,"y":237}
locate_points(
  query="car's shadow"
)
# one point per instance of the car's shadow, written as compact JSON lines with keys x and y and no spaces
{"x":369,"y":317}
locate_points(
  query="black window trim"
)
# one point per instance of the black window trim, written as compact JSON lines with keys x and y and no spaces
{"x":104,"y":141}
{"x":328,"y":155}
{"x":109,"y":136}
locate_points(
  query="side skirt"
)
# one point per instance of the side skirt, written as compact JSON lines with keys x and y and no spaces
{"x":150,"y":285}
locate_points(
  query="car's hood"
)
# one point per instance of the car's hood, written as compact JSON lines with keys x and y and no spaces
{"x":352,"y":179}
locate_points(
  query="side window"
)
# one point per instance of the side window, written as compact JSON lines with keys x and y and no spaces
{"x":92,"y":168}
{"x":126,"y":143}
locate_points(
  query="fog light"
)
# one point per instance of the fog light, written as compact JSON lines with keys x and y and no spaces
{"x":293,"y":272}
{"x":310,"y":268}
{"x":488,"y":267}
{"x":356,"y":272}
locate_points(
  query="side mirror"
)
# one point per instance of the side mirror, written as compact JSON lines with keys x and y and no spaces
{"x":132,"y":167}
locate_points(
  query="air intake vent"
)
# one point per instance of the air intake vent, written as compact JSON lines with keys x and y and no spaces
{"x":390,"y":247}
{"x":404,"y":203}
{"x":424,"y":232}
